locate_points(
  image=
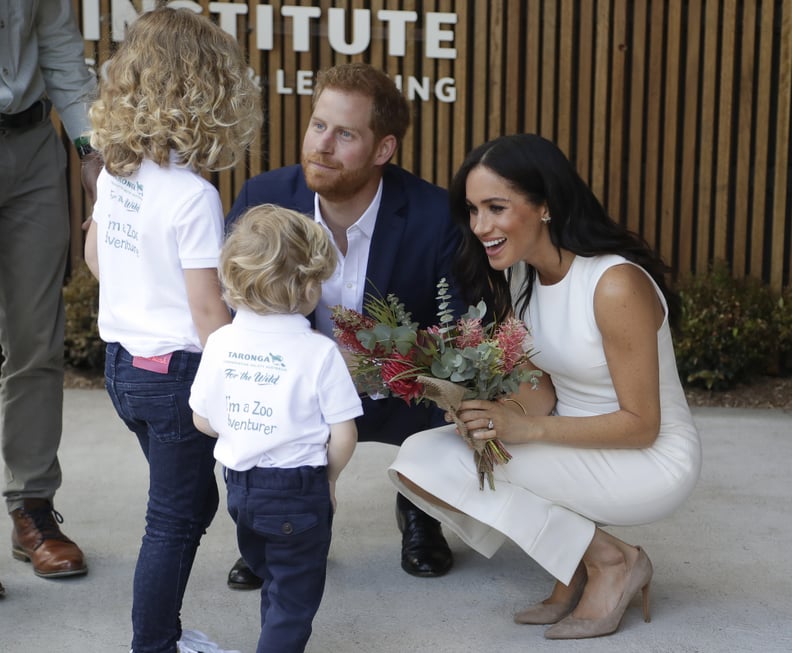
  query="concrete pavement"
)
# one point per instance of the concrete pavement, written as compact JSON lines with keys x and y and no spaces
{"x":722,"y":562}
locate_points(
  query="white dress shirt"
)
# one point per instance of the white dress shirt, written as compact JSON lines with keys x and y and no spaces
{"x":348,"y":283}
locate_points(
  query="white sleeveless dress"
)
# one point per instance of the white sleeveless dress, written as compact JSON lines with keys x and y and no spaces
{"x":549,"y":498}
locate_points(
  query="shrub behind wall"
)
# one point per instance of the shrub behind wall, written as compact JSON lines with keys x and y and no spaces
{"x":782,"y":324}
{"x":84,"y":348}
{"x":726,"y":333}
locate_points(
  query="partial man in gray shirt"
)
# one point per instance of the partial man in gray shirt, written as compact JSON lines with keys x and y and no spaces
{"x":42,"y":64}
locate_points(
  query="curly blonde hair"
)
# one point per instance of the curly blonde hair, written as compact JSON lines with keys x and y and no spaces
{"x":274,"y":259}
{"x":177,"y":83}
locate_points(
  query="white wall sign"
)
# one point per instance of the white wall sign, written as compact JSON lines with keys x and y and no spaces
{"x":437,"y":29}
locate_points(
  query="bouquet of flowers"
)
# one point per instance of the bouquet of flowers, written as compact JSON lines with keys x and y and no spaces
{"x":446,"y":363}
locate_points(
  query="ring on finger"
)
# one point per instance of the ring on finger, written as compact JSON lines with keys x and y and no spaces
{"x":490,"y":424}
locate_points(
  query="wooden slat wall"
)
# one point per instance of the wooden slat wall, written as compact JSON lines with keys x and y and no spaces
{"x":677,"y":112}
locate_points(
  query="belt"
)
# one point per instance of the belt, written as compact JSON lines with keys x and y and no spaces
{"x":36,"y":113}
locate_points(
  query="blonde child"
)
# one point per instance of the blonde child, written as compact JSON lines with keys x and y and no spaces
{"x":175,"y":101}
{"x":280,"y":400}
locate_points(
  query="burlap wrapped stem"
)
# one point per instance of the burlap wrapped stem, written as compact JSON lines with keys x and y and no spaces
{"x":486,"y":453}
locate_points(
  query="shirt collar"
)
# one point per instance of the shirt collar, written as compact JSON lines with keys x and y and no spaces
{"x":273,"y":322}
{"x":365,"y":222}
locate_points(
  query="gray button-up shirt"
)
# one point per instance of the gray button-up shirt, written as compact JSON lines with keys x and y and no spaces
{"x":42,"y":54}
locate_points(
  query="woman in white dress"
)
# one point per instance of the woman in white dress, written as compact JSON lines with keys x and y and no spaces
{"x":607,"y":437}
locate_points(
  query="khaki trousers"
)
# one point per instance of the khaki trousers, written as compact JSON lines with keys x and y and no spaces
{"x":34,"y":242}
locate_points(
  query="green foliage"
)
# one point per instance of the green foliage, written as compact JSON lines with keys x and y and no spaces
{"x":83,"y":347}
{"x":444,"y":312}
{"x":726,"y":330}
{"x":782,"y":324}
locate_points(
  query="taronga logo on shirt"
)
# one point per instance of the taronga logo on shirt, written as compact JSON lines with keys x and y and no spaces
{"x":271,"y":360}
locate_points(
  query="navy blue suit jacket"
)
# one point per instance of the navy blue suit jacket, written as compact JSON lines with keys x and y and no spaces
{"x":412,"y":248}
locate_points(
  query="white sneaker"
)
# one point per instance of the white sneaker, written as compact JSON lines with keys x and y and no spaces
{"x":194,"y":641}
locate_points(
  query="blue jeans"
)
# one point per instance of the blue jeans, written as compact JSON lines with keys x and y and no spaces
{"x":183,"y":494}
{"x":283,"y":519}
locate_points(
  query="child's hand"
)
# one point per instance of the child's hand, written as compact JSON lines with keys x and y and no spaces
{"x":202,"y":424}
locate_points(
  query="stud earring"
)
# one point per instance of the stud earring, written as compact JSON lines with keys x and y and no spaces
{"x":545,"y":218}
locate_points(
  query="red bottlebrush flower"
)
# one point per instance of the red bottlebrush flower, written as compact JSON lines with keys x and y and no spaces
{"x":510,"y":336}
{"x":470,"y":333}
{"x":349,"y":341}
{"x":349,"y":319}
{"x":347,"y":322}
{"x":398,"y":373}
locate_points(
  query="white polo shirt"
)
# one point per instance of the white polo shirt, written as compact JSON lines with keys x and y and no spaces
{"x":271,"y":386}
{"x":151,"y":226}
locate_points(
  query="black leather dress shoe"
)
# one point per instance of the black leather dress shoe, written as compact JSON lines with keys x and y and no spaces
{"x":241,"y":577}
{"x":425,"y":551}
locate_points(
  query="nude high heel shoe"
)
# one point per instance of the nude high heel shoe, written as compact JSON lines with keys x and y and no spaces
{"x":639,"y":579}
{"x":549,"y":613}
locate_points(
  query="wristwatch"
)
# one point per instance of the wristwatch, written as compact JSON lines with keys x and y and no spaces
{"x":83,"y":145}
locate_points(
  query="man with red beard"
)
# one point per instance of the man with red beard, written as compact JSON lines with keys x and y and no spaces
{"x":393,"y":233}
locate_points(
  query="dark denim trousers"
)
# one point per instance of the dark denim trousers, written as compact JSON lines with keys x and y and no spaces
{"x":284,"y":519}
{"x":183,"y":494}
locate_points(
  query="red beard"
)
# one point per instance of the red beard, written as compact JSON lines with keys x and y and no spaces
{"x":337,"y":183}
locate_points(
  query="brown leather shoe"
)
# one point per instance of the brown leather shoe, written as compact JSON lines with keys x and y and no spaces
{"x":37,"y":538}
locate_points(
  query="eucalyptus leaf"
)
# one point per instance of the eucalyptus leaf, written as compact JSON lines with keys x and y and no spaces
{"x":439,"y":370}
{"x":403,"y":346}
{"x":367,"y":338}
{"x":402,"y":334}
{"x":383,"y":332}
